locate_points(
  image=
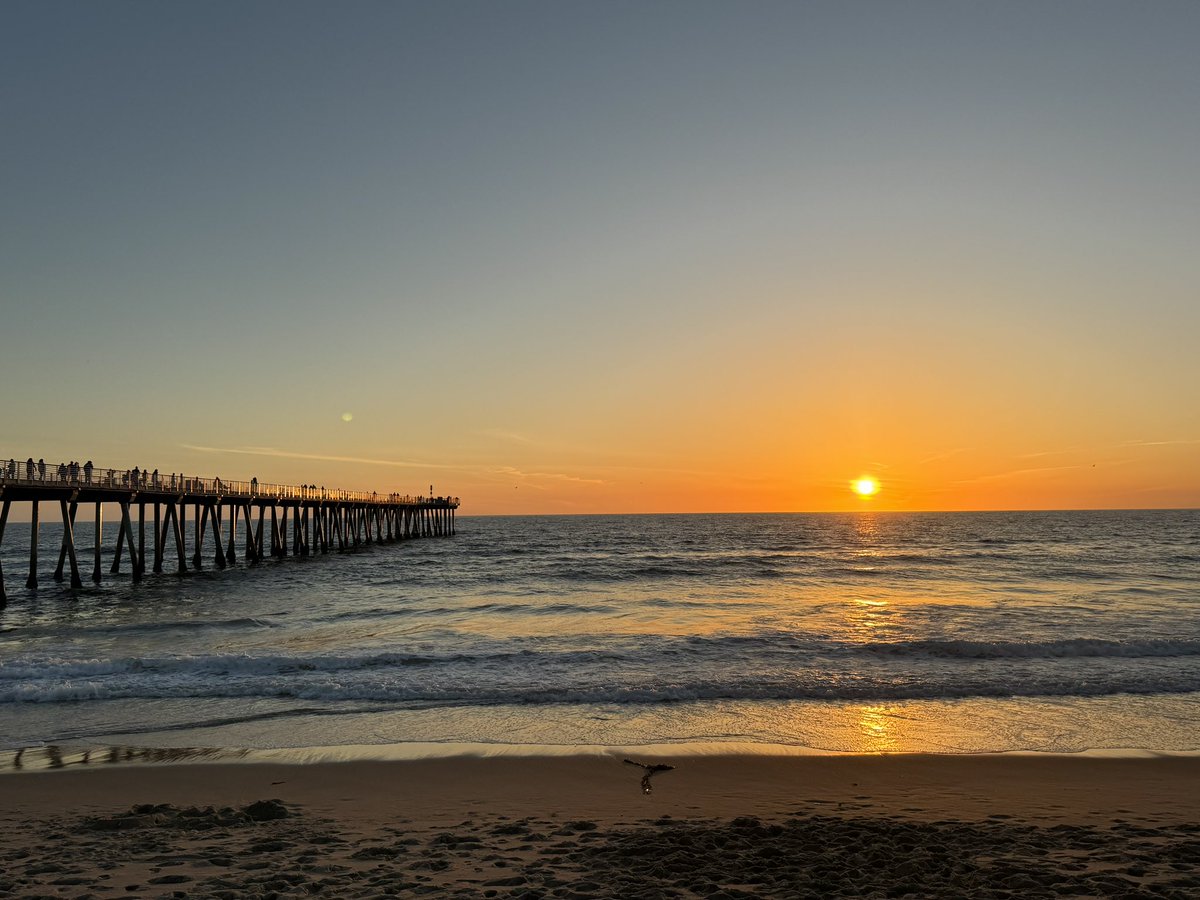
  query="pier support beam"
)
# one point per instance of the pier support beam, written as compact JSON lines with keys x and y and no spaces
{"x":158,"y":538}
{"x":69,"y":537}
{"x":219,"y":556}
{"x":201,"y":520}
{"x":337,"y":528}
{"x":141,"y":538}
{"x":67,"y":550}
{"x":3,"y":522}
{"x":258,"y":534}
{"x":174,"y":515}
{"x":231,"y":551}
{"x":31,"y":582}
{"x":99,"y":532}
{"x":126,"y":536}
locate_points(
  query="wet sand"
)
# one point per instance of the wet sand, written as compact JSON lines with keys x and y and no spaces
{"x":582,"y":826}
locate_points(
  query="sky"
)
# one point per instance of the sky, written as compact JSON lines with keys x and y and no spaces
{"x":609,"y":257}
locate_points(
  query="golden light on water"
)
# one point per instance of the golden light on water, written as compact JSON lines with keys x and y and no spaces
{"x":866,"y":486}
{"x":874,"y":727}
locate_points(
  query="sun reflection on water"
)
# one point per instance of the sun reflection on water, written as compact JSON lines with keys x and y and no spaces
{"x":875,"y":724}
{"x":869,"y":620}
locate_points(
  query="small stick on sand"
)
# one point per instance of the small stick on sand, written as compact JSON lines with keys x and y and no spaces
{"x":650,"y":771}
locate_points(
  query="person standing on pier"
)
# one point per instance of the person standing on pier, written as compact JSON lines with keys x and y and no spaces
{"x":29,"y":469}
{"x":41,"y":469}
{"x":87,"y":471}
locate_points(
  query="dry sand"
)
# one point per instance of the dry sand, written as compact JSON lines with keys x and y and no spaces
{"x":573,"y":827}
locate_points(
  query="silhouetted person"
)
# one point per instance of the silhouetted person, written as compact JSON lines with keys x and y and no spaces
{"x":41,"y":469}
{"x":87,"y":471}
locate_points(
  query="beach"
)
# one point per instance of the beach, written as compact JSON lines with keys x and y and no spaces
{"x":715,"y":825}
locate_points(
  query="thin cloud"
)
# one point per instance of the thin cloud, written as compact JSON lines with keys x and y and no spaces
{"x":512,"y":472}
{"x":1038,"y":454}
{"x":1012,"y":473}
{"x":1183,"y":442}
{"x":511,"y":436}
{"x":938,"y":457}
{"x":276,"y":453}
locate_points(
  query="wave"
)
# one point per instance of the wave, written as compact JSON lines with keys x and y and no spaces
{"x":246,"y":665}
{"x":750,"y":667}
{"x":369,"y":694}
{"x":1074,"y":647}
{"x":749,"y":651}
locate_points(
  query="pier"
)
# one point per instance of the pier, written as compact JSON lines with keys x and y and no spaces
{"x":322,"y":521}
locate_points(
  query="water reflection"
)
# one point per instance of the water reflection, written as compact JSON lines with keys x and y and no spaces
{"x":54,"y":757}
{"x":875,"y":727}
{"x":866,"y":528}
{"x":870,"y":620}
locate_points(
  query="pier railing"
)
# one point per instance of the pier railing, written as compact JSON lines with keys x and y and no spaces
{"x":28,"y":473}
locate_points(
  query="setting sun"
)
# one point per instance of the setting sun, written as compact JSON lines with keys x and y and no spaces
{"x":865,"y":486}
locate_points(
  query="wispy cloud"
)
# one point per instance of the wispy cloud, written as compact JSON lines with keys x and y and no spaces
{"x":531,"y":477}
{"x":944,"y":454}
{"x":1138,"y":443}
{"x":277,"y":453}
{"x":1013,"y":473}
{"x":1039,"y":454}
{"x":514,"y":437}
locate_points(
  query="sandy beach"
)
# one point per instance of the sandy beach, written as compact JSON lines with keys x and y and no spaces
{"x":582,"y":826}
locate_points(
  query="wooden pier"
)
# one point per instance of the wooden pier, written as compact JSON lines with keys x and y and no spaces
{"x":321,"y":520}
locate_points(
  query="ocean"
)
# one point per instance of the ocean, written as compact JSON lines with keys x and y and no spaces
{"x":869,"y":632}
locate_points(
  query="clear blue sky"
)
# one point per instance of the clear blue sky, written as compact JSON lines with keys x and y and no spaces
{"x":568,"y":257}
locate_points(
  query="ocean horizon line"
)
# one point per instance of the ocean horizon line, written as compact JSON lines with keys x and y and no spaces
{"x":837,"y":512}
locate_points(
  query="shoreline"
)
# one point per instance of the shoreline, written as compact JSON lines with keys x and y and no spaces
{"x":51,"y":757}
{"x":581,"y":826}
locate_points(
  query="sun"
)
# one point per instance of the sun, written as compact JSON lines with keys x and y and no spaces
{"x":865,"y":486}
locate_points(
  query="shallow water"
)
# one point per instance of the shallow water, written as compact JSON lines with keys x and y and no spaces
{"x":947,"y":632}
